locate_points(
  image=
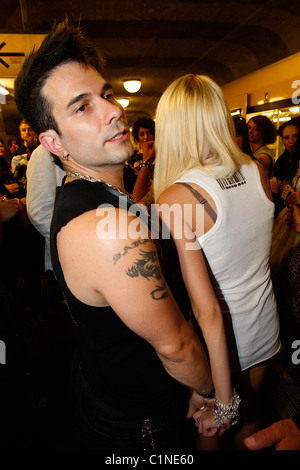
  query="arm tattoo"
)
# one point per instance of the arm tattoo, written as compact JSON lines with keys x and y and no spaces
{"x":135,"y":244}
{"x":147,"y":266}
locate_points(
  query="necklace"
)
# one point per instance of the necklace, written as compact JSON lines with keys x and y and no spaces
{"x":94,"y":180}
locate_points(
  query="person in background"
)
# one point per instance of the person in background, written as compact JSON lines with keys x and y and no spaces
{"x":20,"y":162}
{"x":14,"y":391}
{"x":261,"y":133}
{"x":8,"y":184}
{"x":284,"y":260}
{"x":283,"y":434}
{"x":4,"y":164}
{"x":13,"y":146}
{"x":242,"y":136}
{"x":286,"y":165}
{"x":199,"y":165}
{"x":143,"y":132}
{"x":43,"y":177}
{"x":25,"y":133}
{"x":136,"y":354}
{"x":293,"y":262}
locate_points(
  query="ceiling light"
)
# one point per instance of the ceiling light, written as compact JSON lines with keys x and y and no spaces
{"x":3,"y":91}
{"x":279,"y":98}
{"x":132,"y":85}
{"x":123,"y":102}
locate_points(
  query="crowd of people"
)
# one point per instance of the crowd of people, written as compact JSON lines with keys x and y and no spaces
{"x":176,"y":327}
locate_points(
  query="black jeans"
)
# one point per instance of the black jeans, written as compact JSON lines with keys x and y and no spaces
{"x":101,"y":427}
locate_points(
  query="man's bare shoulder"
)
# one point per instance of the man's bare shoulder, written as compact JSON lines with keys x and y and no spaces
{"x":93,"y":248}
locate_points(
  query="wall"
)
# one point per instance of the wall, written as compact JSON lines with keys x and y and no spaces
{"x":272,"y":83}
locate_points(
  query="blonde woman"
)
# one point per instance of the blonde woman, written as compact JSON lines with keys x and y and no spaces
{"x":232,"y":226}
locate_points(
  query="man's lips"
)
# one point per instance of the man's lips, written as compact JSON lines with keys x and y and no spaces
{"x":119,"y":137}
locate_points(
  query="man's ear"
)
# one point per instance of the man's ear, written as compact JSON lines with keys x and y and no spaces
{"x":51,"y":141}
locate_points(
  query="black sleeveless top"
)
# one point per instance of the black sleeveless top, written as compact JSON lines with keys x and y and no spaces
{"x":115,"y":361}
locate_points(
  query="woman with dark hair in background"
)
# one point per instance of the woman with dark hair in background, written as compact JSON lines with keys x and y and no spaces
{"x":261,"y":133}
{"x":141,"y":163}
{"x":286,"y":165}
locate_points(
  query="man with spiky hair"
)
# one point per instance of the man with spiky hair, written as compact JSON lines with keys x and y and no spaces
{"x":136,"y":354}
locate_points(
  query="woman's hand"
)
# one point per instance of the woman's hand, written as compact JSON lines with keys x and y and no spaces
{"x":196,"y":401}
{"x":293,"y":198}
{"x":205,"y":421}
{"x":148,"y":150}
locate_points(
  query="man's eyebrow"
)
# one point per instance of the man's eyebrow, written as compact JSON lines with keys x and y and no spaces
{"x":82,"y":96}
{"x":77,"y":98}
{"x":106,"y":86}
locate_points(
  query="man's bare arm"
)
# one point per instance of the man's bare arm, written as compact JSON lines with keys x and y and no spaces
{"x":125,"y":273}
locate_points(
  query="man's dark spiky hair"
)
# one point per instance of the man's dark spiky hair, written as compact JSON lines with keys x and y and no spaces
{"x":63,"y":44}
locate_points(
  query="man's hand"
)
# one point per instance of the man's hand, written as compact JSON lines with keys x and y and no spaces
{"x":196,"y":401}
{"x":284,"y":434}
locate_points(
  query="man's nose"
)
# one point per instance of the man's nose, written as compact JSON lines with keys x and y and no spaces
{"x":112,"y":111}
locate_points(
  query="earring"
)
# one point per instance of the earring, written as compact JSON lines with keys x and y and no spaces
{"x":65,"y":157}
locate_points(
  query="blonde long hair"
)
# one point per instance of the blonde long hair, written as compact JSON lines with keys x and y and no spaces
{"x":194,"y":129}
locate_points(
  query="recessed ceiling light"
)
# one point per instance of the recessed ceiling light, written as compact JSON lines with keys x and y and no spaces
{"x":123,"y":102}
{"x":3,"y":91}
{"x":132,"y":85}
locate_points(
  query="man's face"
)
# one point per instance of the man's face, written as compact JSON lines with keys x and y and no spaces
{"x":26,"y":132}
{"x":93,"y":128}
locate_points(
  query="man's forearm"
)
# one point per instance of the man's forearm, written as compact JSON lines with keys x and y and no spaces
{"x":190,"y":367}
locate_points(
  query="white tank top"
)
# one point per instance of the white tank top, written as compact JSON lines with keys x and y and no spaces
{"x":237,"y":250}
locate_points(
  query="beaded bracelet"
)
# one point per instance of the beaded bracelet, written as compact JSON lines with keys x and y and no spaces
{"x":231,"y":411}
{"x":145,"y":164}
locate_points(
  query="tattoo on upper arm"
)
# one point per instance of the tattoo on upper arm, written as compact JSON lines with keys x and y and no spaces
{"x":147,"y":266}
{"x":134,"y":244}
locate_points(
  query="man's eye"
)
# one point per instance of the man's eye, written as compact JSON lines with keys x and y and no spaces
{"x":81,"y":108}
{"x":109,"y":96}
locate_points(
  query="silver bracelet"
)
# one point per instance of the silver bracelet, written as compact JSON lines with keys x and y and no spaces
{"x":231,"y":411}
